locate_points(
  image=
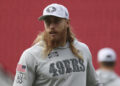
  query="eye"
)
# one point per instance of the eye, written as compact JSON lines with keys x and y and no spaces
{"x":47,"y":22}
{"x":57,"y":20}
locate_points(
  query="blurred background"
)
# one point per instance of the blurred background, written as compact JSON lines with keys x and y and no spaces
{"x":94,"y":22}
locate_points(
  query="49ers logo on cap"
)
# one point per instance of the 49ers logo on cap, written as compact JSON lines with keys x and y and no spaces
{"x":51,"y":9}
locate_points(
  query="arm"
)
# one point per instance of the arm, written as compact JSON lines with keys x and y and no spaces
{"x":92,"y":79}
{"x":25,"y":71}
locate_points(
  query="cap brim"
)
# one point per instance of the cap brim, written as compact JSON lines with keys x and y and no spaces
{"x":42,"y":17}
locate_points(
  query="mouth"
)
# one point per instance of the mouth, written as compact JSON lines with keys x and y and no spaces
{"x":53,"y":33}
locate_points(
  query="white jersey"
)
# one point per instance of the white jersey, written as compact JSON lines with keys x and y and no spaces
{"x":108,"y":78}
{"x":60,"y":68}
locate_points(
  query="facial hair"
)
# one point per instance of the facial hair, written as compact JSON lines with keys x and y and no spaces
{"x":54,"y":43}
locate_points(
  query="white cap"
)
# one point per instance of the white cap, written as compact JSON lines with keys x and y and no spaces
{"x":55,"y":10}
{"x":106,"y":55}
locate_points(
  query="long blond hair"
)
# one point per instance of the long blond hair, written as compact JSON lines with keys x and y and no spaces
{"x":70,"y":39}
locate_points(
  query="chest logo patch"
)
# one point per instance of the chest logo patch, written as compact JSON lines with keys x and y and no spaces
{"x":53,"y":54}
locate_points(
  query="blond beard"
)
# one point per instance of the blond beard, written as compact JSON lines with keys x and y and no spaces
{"x":54,"y":43}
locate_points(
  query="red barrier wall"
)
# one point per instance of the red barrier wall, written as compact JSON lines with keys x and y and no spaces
{"x":95,"y":22}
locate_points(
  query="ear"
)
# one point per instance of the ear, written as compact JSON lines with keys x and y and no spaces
{"x":68,"y":23}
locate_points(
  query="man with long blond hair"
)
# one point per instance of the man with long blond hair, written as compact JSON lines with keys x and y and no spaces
{"x":57,"y":58}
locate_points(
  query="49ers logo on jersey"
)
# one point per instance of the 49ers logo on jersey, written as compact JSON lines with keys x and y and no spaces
{"x":66,"y":66}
